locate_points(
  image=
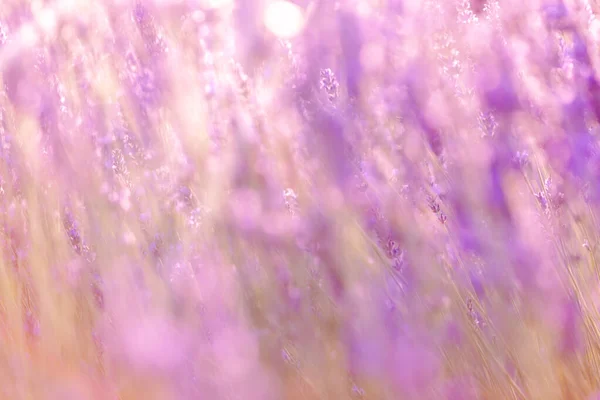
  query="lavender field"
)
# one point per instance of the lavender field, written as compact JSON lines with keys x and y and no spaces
{"x":308,"y":199}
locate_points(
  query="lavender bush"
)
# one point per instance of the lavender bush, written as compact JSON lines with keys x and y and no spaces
{"x":310,"y":199}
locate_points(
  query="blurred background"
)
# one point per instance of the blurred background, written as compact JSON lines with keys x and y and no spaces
{"x":319,"y":199}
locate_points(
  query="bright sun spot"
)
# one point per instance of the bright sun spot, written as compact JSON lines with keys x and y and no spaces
{"x":284,"y":19}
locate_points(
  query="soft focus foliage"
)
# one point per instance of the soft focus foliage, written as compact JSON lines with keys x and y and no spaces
{"x":309,"y":199}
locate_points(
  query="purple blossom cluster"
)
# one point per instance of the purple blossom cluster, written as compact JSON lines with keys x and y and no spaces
{"x":299,"y":199}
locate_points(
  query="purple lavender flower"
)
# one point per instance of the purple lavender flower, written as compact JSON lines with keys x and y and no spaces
{"x":351,"y":44}
{"x":571,"y":337}
{"x":329,"y":83}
